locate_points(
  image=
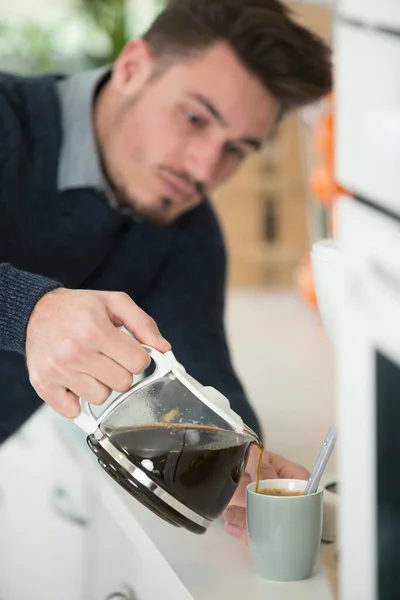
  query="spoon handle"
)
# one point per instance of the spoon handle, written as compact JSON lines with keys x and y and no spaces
{"x":321,"y":462}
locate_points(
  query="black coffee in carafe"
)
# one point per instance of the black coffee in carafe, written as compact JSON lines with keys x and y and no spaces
{"x":200,"y":466}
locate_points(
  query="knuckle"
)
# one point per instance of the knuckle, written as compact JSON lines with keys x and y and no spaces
{"x":141,"y":363}
{"x":124,"y":383}
{"x":50,"y":369}
{"x":148,"y":322}
{"x":100,"y":396}
{"x":90,"y":334}
{"x":122,"y":297}
{"x":68,"y":405}
{"x":68,"y":351}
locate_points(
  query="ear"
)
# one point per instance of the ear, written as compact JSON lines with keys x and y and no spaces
{"x":133,"y":67}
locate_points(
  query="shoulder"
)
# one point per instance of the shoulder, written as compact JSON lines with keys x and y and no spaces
{"x":25,"y":100}
{"x":28,"y":106}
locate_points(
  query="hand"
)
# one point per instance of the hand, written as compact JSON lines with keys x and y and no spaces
{"x":74,"y":347}
{"x":273,"y":466}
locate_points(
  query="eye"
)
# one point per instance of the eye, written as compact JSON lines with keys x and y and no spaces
{"x":194,"y":119}
{"x":236,"y":151}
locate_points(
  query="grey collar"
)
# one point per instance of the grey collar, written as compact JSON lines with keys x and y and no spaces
{"x":79,"y":164}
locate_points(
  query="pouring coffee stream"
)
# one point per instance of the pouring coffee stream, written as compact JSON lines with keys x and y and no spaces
{"x":260,"y":455}
{"x":173,"y":444}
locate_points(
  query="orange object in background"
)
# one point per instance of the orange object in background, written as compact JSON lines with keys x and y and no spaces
{"x":305,"y":282}
{"x":324,"y":189}
{"x":324,"y":138}
{"x":323,"y":185}
{"x":322,"y":173}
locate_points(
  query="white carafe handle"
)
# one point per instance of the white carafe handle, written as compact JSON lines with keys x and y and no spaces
{"x":89,"y":422}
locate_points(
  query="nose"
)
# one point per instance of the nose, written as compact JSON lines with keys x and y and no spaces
{"x":202,"y":160}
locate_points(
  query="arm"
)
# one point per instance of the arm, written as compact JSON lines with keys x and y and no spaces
{"x":187,"y":301}
{"x":19,"y":291}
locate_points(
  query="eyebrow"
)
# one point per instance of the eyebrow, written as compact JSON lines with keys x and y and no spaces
{"x":209,"y":106}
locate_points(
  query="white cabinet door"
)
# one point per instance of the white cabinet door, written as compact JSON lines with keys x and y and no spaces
{"x":41,"y":552}
{"x":368,"y":114}
{"x":383,"y":13}
{"x":123,"y":562}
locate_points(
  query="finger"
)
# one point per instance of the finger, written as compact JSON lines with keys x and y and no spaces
{"x":124,"y":350}
{"x":137,"y":321}
{"x":106,"y":371}
{"x":240,"y":533}
{"x":252,"y":463}
{"x":274,"y":466}
{"x":88,"y":388}
{"x":235,"y":515}
{"x":64,"y":402}
{"x":287,"y":469}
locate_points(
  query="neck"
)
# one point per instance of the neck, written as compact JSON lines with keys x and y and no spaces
{"x":103,"y":119}
{"x":102,"y":115}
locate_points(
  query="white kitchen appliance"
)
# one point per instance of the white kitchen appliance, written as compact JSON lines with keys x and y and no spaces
{"x":367,"y":99}
{"x":368,"y":363}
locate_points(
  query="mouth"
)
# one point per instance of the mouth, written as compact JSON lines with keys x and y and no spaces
{"x":176,"y":189}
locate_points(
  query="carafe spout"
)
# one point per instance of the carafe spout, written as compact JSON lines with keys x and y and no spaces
{"x":252,"y":435}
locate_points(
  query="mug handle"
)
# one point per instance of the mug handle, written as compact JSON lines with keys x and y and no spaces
{"x":89,"y":422}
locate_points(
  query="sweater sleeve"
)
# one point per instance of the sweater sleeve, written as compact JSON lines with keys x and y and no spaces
{"x":187,"y":301}
{"x":19,"y":290}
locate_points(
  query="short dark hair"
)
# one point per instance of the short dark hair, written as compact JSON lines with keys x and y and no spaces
{"x":293,"y":63}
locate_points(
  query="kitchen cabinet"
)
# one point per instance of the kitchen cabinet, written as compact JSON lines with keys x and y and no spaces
{"x":381,"y":13}
{"x":122,"y":567}
{"x":63,"y":535}
{"x":368,"y":114}
{"x":41,"y":517}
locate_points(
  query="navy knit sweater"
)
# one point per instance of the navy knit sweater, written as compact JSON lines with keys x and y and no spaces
{"x":75,"y":239}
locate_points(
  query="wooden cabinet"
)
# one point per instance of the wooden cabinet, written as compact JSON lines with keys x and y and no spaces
{"x":263,"y":213}
{"x":263,"y":210}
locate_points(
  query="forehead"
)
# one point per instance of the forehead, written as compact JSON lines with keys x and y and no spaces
{"x":217,"y":73}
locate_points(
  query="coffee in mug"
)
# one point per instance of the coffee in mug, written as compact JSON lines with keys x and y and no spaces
{"x":280,"y":492}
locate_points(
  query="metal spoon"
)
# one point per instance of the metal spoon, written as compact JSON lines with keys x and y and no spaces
{"x":322,"y":461}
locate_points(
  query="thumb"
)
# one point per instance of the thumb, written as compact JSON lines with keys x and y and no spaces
{"x":124,"y":311}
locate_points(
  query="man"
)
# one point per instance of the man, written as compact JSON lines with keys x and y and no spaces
{"x":104,"y":217}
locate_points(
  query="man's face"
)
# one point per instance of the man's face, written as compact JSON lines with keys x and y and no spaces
{"x":167,"y":141}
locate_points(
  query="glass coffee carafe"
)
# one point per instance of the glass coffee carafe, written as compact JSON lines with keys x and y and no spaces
{"x":172,"y":443}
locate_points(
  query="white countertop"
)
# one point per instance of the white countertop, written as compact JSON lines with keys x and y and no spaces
{"x":213,"y":566}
